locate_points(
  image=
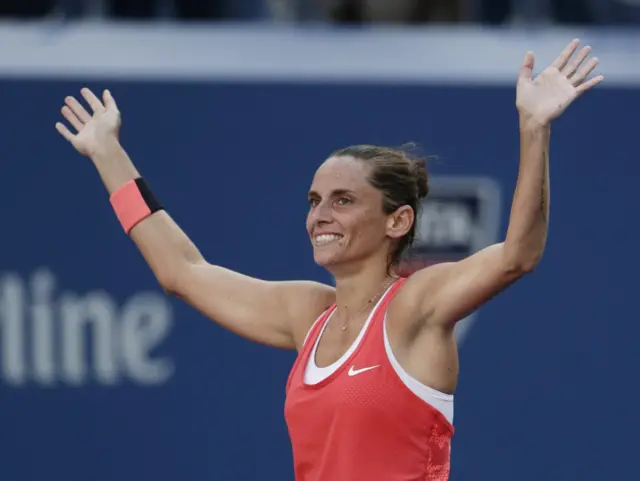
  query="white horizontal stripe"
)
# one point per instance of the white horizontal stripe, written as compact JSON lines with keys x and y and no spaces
{"x":308,"y":54}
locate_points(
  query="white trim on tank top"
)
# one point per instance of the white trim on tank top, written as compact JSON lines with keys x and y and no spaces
{"x":313,"y":374}
{"x":443,"y":402}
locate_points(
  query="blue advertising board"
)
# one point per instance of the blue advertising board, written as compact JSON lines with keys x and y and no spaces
{"x":105,"y":378}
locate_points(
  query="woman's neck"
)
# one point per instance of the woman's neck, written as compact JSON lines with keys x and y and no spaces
{"x":360,"y":290}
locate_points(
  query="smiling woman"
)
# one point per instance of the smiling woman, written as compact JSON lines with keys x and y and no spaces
{"x":353,"y":182}
{"x":370,"y":394}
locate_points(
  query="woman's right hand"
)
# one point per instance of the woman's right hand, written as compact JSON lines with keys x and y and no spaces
{"x":95,"y":133}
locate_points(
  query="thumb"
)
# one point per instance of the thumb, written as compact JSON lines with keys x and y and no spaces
{"x":109,"y":101}
{"x":526,"y":70}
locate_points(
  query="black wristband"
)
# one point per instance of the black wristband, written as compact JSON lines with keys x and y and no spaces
{"x":149,"y":199}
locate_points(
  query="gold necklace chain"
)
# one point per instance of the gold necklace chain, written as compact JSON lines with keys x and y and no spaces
{"x":369,"y":302}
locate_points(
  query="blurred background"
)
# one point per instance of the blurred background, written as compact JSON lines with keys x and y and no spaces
{"x":488,"y":12}
{"x":228,"y":108}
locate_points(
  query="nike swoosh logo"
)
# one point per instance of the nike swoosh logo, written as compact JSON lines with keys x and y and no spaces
{"x":355,"y":372}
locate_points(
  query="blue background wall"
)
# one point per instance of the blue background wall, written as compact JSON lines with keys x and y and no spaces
{"x":547,"y":386}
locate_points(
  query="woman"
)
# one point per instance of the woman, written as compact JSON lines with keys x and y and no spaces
{"x":370,"y":394}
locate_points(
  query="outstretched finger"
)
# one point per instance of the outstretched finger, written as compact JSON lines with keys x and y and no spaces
{"x":64,"y":131}
{"x":109,"y":101}
{"x":77,"y":108}
{"x":68,"y":114}
{"x":585,"y":71}
{"x":526,"y":70}
{"x":566,"y":54}
{"x":574,"y":65}
{"x":92,"y":100}
{"x":589,"y":84}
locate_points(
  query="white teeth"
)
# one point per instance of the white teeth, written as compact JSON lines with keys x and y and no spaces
{"x":326,"y":238}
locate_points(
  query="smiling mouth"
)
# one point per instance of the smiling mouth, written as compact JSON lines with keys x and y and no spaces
{"x":326,"y":239}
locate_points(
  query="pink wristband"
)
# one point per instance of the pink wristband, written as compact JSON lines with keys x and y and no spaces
{"x":132,"y":203}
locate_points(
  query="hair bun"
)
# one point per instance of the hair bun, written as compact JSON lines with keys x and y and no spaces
{"x":421,"y":177}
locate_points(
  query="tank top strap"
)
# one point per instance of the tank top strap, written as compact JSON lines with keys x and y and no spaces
{"x":377,"y":322}
{"x":309,"y":342}
{"x":392,"y":293}
{"x":381,"y":309}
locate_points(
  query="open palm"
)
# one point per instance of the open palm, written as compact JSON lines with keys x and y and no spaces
{"x":544,"y":98}
{"x":94,"y":131}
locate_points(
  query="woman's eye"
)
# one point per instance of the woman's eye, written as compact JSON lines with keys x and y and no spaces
{"x":343,"y":201}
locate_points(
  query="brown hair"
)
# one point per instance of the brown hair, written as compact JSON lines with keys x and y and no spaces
{"x":400,"y":177}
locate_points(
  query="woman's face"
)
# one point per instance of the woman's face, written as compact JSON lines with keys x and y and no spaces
{"x":345,"y":222}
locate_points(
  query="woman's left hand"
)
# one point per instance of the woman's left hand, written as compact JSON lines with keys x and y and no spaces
{"x":542,"y":99}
